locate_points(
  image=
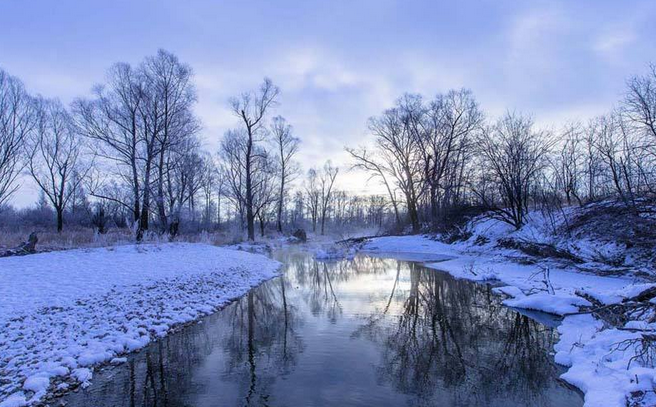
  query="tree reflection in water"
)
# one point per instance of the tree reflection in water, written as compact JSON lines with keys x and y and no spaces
{"x":262,"y":344}
{"x":364,"y":332}
{"x":453,"y":340}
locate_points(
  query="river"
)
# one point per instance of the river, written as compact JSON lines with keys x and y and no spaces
{"x":364,"y":332}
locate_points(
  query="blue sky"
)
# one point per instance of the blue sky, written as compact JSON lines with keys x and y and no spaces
{"x":340,"y":62}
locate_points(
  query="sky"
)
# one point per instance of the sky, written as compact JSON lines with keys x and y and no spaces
{"x":340,"y":62}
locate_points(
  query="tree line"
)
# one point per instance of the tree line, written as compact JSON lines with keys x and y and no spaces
{"x":130,"y":155}
{"x":440,"y":157}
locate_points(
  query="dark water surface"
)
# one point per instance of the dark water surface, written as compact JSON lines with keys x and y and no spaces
{"x":366,"y":332}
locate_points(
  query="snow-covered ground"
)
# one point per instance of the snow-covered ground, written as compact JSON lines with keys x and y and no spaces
{"x":599,"y":357}
{"x":64,"y":312}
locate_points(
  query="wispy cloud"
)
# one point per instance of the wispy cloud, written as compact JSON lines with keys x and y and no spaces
{"x":337,"y":67}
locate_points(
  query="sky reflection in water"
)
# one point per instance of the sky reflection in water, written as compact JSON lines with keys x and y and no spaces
{"x":365,"y":332}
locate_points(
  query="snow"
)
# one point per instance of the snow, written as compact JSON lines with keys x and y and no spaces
{"x":334,"y":253}
{"x":36,"y":383}
{"x":599,"y":365}
{"x":462,"y":262}
{"x":554,"y":304}
{"x":83,"y":375}
{"x":14,"y":400}
{"x":64,"y":312}
{"x":415,"y":244}
{"x":599,"y":358}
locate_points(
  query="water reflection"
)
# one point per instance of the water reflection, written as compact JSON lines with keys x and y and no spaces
{"x":261,"y":342}
{"x":369,"y":331}
{"x":452,"y":340}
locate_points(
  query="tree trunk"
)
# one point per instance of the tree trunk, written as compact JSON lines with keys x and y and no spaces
{"x":249,"y":190}
{"x":412,"y":213}
{"x":218,"y":211}
{"x":280,"y":204}
{"x":160,"y":193}
{"x":60,"y":219}
{"x":145,"y":206}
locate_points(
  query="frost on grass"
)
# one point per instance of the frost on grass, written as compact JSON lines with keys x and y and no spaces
{"x":64,"y":312}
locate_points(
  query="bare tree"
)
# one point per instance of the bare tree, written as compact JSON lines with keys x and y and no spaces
{"x":313,"y":193}
{"x":265,"y":189}
{"x":251,"y":108}
{"x":398,"y":146}
{"x":567,"y":164}
{"x":220,"y":193}
{"x":112,"y":122}
{"x":185,"y":177}
{"x":17,"y":120}
{"x":263,"y":171}
{"x":54,"y":156}
{"x":231,"y":153}
{"x":136,"y":121}
{"x":172,"y":97}
{"x":513,"y":156}
{"x":452,"y":120}
{"x":210,"y":179}
{"x":286,"y":147}
{"x":592,"y":163}
{"x":327,"y":180}
{"x":639,"y":115}
{"x":614,"y":147}
{"x":640,"y":106}
{"x":376,"y":169}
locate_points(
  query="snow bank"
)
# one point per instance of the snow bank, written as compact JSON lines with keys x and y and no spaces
{"x":64,"y":312}
{"x":407,"y":244}
{"x":601,"y":362}
{"x":559,"y":304}
{"x":409,"y":248}
{"x":459,"y":261}
{"x":334,"y":253}
{"x":599,"y":359}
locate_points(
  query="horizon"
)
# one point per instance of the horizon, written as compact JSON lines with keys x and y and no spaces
{"x":336,"y":68}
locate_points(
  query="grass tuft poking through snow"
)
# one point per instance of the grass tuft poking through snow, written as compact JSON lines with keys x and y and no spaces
{"x":62,"y":313}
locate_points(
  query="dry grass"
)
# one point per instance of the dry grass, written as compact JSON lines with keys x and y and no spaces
{"x":50,"y":240}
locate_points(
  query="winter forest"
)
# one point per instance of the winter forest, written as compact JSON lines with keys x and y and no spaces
{"x":128,"y":156}
{"x":307,"y":204}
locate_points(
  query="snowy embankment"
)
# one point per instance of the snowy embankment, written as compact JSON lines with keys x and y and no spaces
{"x":600,"y":358}
{"x":61,"y":313}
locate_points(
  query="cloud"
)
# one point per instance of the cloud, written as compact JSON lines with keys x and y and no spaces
{"x":314,"y":68}
{"x":556,"y":60}
{"x":613,"y":41}
{"x":532,"y":33}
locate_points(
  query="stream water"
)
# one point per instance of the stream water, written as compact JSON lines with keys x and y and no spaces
{"x":365,"y":332}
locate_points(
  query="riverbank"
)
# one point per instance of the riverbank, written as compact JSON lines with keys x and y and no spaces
{"x":65,"y":312}
{"x":604,"y":361}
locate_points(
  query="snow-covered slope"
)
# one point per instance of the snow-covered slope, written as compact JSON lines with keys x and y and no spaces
{"x":63,"y":312}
